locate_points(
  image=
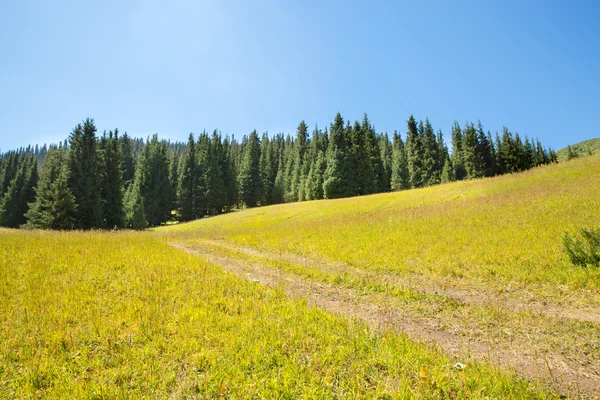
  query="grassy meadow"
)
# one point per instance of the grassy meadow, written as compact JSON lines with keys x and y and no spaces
{"x":159,"y":314}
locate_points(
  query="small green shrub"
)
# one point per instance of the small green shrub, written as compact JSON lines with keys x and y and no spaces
{"x":583,"y":249}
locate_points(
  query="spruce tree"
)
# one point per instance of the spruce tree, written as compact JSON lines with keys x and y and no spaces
{"x":189,"y":181}
{"x":111,"y":180}
{"x":152,"y":172}
{"x":40,"y":213}
{"x":63,"y":207}
{"x":336,"y":181}
{"x":380,"y":178}
{"x":472,"y":158}
{"x":457,"y":152}
{"x":431,"y":168}
{"x":448,"y":171}
{"x":414,"y":153}
{"x":127,"y":159}
{"x":84,"y":173}
{"x":400,"y":177}
{"x":229,"y":174}
{"x":10,"y":206}
{"x":249,"y":176}
{"x":213,"y":178}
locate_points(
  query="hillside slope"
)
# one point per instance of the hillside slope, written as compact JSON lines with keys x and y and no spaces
{"x":474,"y":266}
{"x":585,"y":148}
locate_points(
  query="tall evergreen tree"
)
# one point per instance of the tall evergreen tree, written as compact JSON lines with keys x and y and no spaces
{"x":415,"y":153}
{"x":154,"y":183}
{"x":361,"y":168}
{"x":189,"y":186}
{"x":336,"y":181}
{"x":84,"y":173}
{"x":381,"y":180}
{"x":213,"y":177}
{"x":472,"y":158}
{"x":249,"y":175}
{"x":400,"y":178}
{"x":431,"y":169}
{"x":457,"y":152}
{"x":54,"y":205}
{"x":111,"y":180}
{"x":127,"y":159}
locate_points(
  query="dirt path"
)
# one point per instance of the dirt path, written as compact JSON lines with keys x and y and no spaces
{"x":428,"y":285}
{"x":385,"y":313}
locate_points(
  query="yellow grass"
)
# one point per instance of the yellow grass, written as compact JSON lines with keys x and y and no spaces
{"x":125,"y":315}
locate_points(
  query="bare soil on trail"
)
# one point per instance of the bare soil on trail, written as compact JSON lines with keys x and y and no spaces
{"x":576,"y":374}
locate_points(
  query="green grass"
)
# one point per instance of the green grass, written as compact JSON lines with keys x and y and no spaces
{"x":585,"y":148}
{"x":126,"y":315}
{"x":123,"y":315}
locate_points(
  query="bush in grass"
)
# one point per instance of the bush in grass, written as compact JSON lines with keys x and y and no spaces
{"x":584,"y":249}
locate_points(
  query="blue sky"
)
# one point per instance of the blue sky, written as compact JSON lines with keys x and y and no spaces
{"x":175,"y":67}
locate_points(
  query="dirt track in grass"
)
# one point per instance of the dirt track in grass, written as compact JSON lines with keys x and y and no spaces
{"x":573,"y":371}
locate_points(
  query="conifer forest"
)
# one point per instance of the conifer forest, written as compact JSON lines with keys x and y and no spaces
{"x":111,"y":180}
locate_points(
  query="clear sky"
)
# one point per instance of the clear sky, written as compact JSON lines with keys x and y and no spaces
{"x":175,"y":67}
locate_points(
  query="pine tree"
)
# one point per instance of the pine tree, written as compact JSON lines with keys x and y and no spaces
{"x":187,"y":188}
{"x":42,"y":212}
{"x":472,"y":158}
{"x":400,"y":178}
{"x":385,"y":151}
{"x":457,"y":152}
{"x":431,"y":169}
{"x":84,"y":172}
{"x":152,"y":172}
{"x":229,"y":174}
{"x":381,"y":180}
{"x":486,"y":151}
{"x":63,"y":207}
{"x":335,"y":181}
{"x":127,"y":160}
{"x":300,"y":148}
{"x":447,"y":171}
{"x":213,"y":178}
{"x":135,"y":212}
{"x":415,"y":153}
{"x":10,"y":206}
{"x":361,"y":168}
{"x":249,"y":175}
{"x":111,"y":180}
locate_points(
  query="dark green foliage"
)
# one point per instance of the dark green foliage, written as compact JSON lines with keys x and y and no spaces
{"x":213,"y":177}
{"x":472,"y":157}
{"x":14,"y":204}
{"x":448,"y":172}
{"x":359,"y":162}
{"x":337,"y":180}
{"x":54,"y":206}
{"x":152,"y":176}
{"x":106,"y":187}
{"x":249,"y":177}
{"x":84,"y":175}
{"x":415,"y":153}
{"x":189,"y":186}
{"x":431,"y":167}
{"x":380,"y":176}
{"x":400,"y":179}
{"x":127,"y":159}
{"x":135,"y":213}
{"x":571,"y":154}
{"x":229,"y":175}
{"x":457,"y":152}
{"x":584,"y":249}
{"x":111,"y":181}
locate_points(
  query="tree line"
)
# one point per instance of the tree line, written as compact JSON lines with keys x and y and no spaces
{"x":93,"y":181}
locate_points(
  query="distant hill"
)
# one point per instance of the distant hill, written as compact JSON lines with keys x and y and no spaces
{"x":585,"y":148}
